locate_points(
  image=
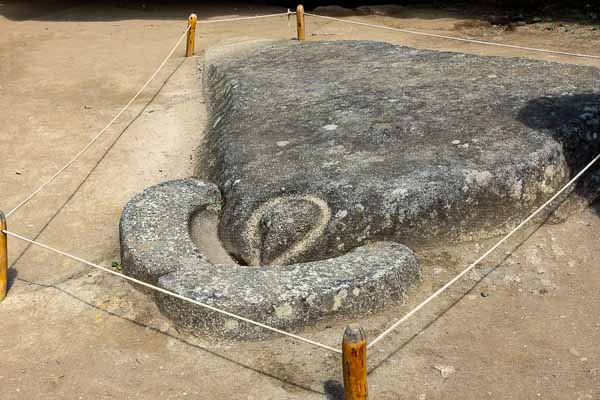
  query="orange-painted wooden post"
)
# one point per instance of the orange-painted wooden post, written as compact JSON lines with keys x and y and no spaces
{"x":300,"y":21}
{"x":354,"y":359}
{"x":3,"y":257}
{"x":191,"y":35}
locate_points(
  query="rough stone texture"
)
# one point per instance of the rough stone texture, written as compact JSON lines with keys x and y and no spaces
{"x":319,"y":147}
{"x":154,"y":227}
{"x":156,"y":246}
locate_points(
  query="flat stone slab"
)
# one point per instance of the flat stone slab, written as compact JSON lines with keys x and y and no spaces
{"x":320,"y":147}
{"x":157,"y":247}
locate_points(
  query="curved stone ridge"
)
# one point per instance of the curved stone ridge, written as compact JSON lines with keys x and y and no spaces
{"x":156,"y":247}
{"x":408,"y":145}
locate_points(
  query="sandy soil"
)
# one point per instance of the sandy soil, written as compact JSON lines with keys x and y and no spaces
{"x":524,"y":325}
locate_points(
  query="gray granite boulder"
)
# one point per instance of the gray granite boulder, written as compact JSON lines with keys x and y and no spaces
{"x":157,"y":247}
{"x":320,"y":147}
{"x":325,"y":156}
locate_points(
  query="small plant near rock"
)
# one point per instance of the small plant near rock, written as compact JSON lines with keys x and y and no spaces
{"x":117,"y":266}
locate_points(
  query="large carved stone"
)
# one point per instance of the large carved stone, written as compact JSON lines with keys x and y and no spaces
{"x":325,"y":156}
{"x":400,"y":144}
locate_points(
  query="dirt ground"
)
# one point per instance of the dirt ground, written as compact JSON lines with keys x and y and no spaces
{"x":524,"y":325}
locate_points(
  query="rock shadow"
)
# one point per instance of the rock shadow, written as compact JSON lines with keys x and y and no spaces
{"x":596,"y":207}
{"x":574,"y":121}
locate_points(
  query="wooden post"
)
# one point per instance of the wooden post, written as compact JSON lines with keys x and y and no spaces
{"x":354,"y":363}
{"x":300,"y":21}
{"x":3,"y":257}
{"x":191,"y":35}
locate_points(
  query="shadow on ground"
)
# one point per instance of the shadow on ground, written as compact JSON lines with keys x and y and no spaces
{"x":182,"y":340}
{"x":378,"y":362}
{"x":334,"y":390}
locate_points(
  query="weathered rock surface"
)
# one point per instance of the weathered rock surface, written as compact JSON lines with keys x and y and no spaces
{"x":157,"y":247}
{"x":320,"y":147}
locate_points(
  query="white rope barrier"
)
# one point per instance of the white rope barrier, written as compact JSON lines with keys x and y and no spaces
{"x":87,"y":146}
{"x":480,"y":259}
{"x":172,"y":294}
{"x":412,"y":32}
{"x":212,"y":21}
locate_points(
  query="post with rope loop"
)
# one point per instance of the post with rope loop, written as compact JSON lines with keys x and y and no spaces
{"x":191,"y":35}
{"x":354,"y":363}
{"x":300,"y":21}
{"x":3,"y":257}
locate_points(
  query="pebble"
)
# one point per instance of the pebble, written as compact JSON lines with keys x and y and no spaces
{"x":511,"y":278}
{"x":456,"y":142}
{"x":558,"y":251}
{"x":534,"y":259}
{"x":331,"y":127}
{"x":540,"y":269}
{"x":547,"y":283}
{"x":475,"y":275}
{"x":283,"y":143}
{"x":574,"y":352}
{"x":445,"y":370}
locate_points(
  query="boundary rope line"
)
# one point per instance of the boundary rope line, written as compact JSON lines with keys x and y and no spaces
{"x":87,"y":146}
{"x":212,"y":21}
{"x":172,"y":294}
{"x":482,"y":257}
{"x":409,"y":31}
